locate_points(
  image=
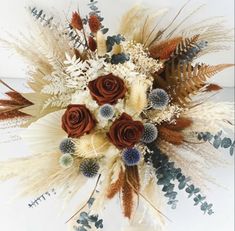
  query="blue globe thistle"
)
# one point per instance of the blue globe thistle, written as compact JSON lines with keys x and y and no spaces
{"x":67,"y":146}
{"x":106,"y":111}
{"x":131,"y":156}
{"x":89,"y":168}
{"x":66,"y":161}
{"x":150,"y":133}
{"x":159,"y":98}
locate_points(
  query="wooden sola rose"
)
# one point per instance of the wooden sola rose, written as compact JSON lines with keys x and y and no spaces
{"x":77,"y":120}
{"x":107,"y":89}
{"x":119,"y":108}
{"x":125,"y":132}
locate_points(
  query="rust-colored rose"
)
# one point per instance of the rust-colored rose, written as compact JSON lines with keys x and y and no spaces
{"x":125,"y":132}
{"x":107,"y":89}
{"x":77,"y":120}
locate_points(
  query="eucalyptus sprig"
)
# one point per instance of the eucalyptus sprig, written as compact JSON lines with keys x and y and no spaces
{"x":167,"y":174}
{"x":217,"y":141}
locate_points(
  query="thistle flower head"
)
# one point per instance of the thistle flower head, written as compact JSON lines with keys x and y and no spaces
{"x":66,"y":161}
{"x":158,"y":98}
{"x":67,"y":146}
{"x":89,"y":168}
{"x":150,"y":133}
{"x":106,"y":111}
{"x":131,"y":156}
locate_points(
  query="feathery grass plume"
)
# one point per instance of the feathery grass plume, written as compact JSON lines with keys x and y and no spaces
{"x":153,"y":193}
{"x":94,"y":23}
{"x":213,"y":30}
{"x":109,"y":169}
{"x":137,"y":99}
{"x":131,"y":186}
{"x":173,"y":137}
{"x":92,"y":43}
{"x":40,"y":172}
{"x":212,"y":87}
{"x":46,"y":134}
{"x":210,"y":116}
{"x":76,"y":21}
{"x":138,"y":23}
{"x":194,"y":159}
{"x":101,"y":43}
{"x":116,"y":186}
{"x":93,"y":145}
{"x":10,"y":108}
{"x":164,"y":49}
{"x":127,"y":198}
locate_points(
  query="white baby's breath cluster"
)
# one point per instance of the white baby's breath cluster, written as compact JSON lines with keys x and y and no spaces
{"x":140,"y":57}
{"x":166,"y":115}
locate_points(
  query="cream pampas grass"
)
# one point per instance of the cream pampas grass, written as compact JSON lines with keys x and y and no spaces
{"x":94,"y":145}
{"x":138,"y":23}
{"x":108,"y":174}
{"x":211,"y":117}
{"x":45,"y":134}
{"x":40,"y":173}
{"x":137,"y":100}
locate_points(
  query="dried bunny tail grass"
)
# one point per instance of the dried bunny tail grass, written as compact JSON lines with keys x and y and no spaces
{"x":109,"y":170}
{"x":211,"y":117}
{"x":101,"y":43}
{"x":137,"y":100}
{"x":92,"y":146}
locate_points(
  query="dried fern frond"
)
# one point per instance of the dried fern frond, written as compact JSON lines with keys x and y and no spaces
{"x":182,"y":81}
{"x":183,"y":47}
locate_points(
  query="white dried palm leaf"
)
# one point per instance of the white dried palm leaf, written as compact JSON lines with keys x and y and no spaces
{"x":45,"y":134}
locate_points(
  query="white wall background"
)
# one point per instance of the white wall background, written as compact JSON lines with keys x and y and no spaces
{"x":15,"y":215}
